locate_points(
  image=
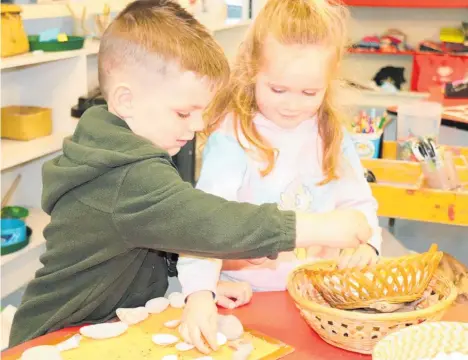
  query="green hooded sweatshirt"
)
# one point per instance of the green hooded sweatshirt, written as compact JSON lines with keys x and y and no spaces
{"x":118,"y":206}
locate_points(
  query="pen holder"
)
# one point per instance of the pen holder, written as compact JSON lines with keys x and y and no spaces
{"x":441,"y":174}
{"x":367,"y":145}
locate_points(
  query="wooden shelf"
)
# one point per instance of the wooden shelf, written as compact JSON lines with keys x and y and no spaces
{"x":18,"y":268}
{"x":424,"y":4}
{"x":15,"y":152}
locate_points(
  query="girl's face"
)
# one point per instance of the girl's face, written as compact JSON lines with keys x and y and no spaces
{"x":292,"y":81}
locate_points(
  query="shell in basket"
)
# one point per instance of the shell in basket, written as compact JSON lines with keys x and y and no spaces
{"x":392,"y":280}
{"x":356,"y":331}
{"x":435,"y":340}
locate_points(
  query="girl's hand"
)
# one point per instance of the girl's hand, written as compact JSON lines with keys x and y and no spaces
{"x":199,"y":322}
{"x":360,"y":257}
{"x":233,"y":294}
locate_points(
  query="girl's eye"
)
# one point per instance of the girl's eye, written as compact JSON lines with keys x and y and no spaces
{"x":277,"y":91}
{"x":183,"y":115}
{"x":308,"y":93}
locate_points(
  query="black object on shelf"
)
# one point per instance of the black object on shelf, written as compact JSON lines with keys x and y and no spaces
{"x":85,"y":102}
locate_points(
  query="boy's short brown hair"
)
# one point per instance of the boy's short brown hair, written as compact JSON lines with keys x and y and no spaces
{"x":162,"y":28}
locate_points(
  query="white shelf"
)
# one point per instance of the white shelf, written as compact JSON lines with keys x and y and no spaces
{"x":15,"y":152}
{"x":18,"y":268}
{"x":44,"y":11}
{"x":32,"y":58}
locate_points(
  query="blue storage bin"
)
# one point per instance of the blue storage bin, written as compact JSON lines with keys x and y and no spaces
{"x":13,"y":231}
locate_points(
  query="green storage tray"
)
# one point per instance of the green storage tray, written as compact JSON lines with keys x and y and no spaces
{"x":73,"y":43}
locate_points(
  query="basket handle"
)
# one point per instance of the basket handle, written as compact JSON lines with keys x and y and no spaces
{"x":433,"y":248}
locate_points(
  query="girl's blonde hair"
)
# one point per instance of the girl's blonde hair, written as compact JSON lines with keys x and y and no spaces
{"x":290,"y":22}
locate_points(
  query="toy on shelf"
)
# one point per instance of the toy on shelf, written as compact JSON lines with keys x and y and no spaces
{"x":392,"y":41}
{"x":390,"y":78}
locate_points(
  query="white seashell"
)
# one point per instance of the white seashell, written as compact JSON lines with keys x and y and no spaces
{"x":243,"y":352}
{"x":165,"y":339}
{"x":170,"y":357}
{"x":183,"y":346}
{"x":230,"y":326}
{"x":71,"y":343}
{"x":132,"y":316}
{"x":157,"y":305}
{"x":104,"y":331}
{"x":221,"y":339}
{"x":177,"y":300}
{"x":43,"y":352}
{"x":172,"y":324}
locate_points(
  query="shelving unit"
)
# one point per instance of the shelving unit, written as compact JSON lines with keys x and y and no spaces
{"x":15,"y":153}
{"x":55,"y":80}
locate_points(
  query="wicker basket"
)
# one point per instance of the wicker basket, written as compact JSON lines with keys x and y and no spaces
{"x":424,"y":341}
{"x":357,"y":331}
{"x":393,"y":280}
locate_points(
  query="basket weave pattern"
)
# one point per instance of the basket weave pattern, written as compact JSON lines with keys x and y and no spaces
{"x":394,"y":280}
{"x":357,"y":331}
{"x":423,"y":341}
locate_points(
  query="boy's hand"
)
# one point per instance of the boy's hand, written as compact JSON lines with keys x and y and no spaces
{"x":343,"y":229}
{"x":362,"y":256}
{"x":199,"y":322}
{"x":233,"y":294}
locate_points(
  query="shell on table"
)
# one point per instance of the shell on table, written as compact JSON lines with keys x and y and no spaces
{"x":230,"y":326}
{"x":243,"y":351}
{"x":164,"y":339}
{"x":157,"y":305}
{"x":183,"y":346}
{"x":132,"y":316}
{"x":172,"y":324}
{"x":170,"y":357}
{"x":221,"y":339}
{"x":43,"y":352}
{"x":177,"y":300}
{"x":104,"y":331}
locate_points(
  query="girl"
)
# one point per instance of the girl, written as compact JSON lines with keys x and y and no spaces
{"x":275,"y":136}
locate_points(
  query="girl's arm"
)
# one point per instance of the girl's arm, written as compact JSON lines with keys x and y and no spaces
{"x":223,"y":168}
{"x":354,"y":191}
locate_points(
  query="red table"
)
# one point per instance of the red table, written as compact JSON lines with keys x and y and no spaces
{"x":273,"y":314}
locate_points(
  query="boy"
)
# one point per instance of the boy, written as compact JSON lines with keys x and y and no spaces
{"x":117,"y":203}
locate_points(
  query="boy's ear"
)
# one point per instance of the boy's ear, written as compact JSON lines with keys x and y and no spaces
{"x":122,"y":101}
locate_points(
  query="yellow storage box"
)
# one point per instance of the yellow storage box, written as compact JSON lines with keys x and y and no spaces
{"x":26,"y":122}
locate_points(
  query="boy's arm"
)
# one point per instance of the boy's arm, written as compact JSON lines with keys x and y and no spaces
{"x":223,"y":168}
{"x":355,"y":192}
{"x":156,"y":209}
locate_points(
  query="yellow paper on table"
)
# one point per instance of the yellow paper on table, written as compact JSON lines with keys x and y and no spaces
{"x":137,"y":343}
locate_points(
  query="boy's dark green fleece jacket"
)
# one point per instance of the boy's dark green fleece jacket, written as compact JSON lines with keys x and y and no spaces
{"x":117,"y":205}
